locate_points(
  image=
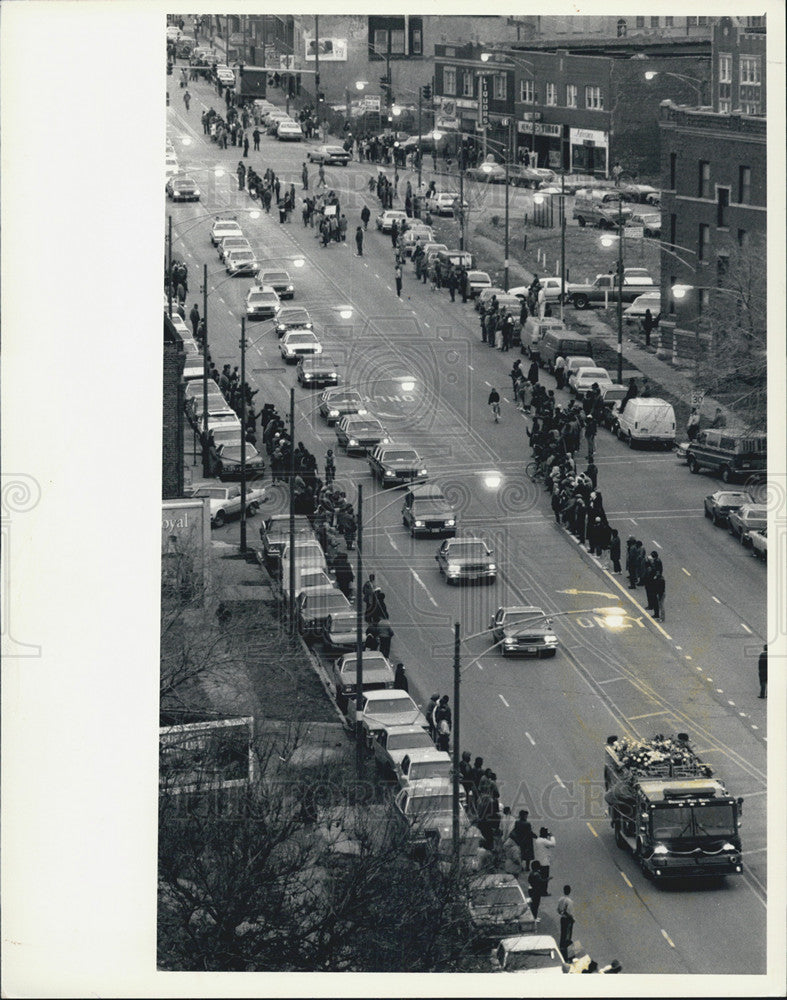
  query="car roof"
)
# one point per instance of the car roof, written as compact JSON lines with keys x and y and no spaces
{"x":522,"y":609}
{"x":530,"y":942}
{"x":428,"y":753}
{"x":387,"y":693}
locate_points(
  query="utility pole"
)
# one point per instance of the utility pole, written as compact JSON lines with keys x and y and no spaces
{"x":317,"y":71}
{"x":420,"y":98}
{"x":533,"y":123}
{"x":205,"y":352}
{"x":461,"y":163}
{"x":243,"y":437}
{"x":620,"y":288}
{"x":359,"y":754}
{"x":457,"y":747}
{"x":291,"y":607}
{"x":505,"y":251}
{"x":562,"y":239}
{"x":169,"y":266}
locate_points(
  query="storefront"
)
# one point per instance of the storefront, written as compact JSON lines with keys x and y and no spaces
{"x":545,"y":138}
{"x":589,"y":152}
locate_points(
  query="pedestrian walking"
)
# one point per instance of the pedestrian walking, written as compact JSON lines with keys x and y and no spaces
{"x":186,"y":99}
{"x":522,"y":835}
{"x":256,"y":137}
{"x":321,"y":176}
{"x":543,"y":849}
{"x":398,"y":279}
{"x":537,"y":885}
{"x":428,"y":712}
{"x":245,"y":144}
{"x":359,"y":242}
{"x":400,"y":678}
{"x":565,"y":909}
{"x":384,"y":634}
{"x":494,"y":404}
{"x":647,"y":326}
{"x":365,"y":216}
{"x":330,"y":468}
{"x":631,"y":562}
{"x":762,"y":672}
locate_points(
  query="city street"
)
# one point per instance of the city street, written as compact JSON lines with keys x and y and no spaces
{"x":540,"y":724}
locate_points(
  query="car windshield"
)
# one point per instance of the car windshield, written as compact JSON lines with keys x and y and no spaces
{"x":301,"y":338}
{"x":727,"y":499}
{"x":363,"y":426}
{"x":425,"y":805}
{"x":240,"y":255}
{"x":281,"y":526}
{"x":229,"y":436}
{"x":461,"y":550}
{"x":524,"y":961}
{"x":262,"y":296}
{"x":430,"y":769}
{"x":593,"y":373}
{"x":335,"y":150}
{"x":271,"y":276}
{"x":498,"y":895}
{"x":293,"y":316}
{"x":214,"y":493}
{"x":389,"y":706}
{"x":343,"y":397}
{"x":326,"y":602}
{"x":233,"y":454}
{"x":479,"y":276}
{"x":522,"y":617}
{"x":400,"y":456}
{"x":344,"y":623}
{"x":409,"y":741}
{"x":228,"y":227}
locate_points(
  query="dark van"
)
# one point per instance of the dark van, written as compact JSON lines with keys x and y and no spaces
{"x":728,"y":453}
{"x":561,"y":343}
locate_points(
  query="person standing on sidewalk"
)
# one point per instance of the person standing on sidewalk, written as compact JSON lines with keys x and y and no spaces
{"x":544,"y":848}
{"x":359,"y":241}
{"x":614,"y":551}
{"x":565,"y":910}
{"x":186,"y":99}
{"x":305,"y":176}
{"x":537,"y":885}
{"x":398,"y":279}
{"x":659,"y":590}
{"x":762,"y":671}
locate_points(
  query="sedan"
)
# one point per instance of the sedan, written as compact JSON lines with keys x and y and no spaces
{"x":487,"y":173}
{"x":358,"y":434}
{"x":296,"y":343}
{"x":650,"y":222}
{"x":292,"y":318}
{"x":261,"y":303}
{"x":414,"y":236}
{"x":337,"y":403}
{"x":279,"y":281}
{"x":222,"y":228}
{"x":444,"y":202}
{"x":525,"y":953}
{"x":584,"y":378}
{"x":239,"y":262}
{"x":317,"y":370}
{"x":182,"y":188}
{"x":226,"y":462}
{"x":749,"y":517}
{"x":523,"y":631}
{"x":289,"y":131}
{"x":759,"y":543}
{"x":233,"y":243}
{"x":314,"y":609}
{"x":477,"y":281}
{"x":329,"y":154}
{"x":392,"y":465}
{"x":225,"y":501}
{"x":339,"y":635}
{"x":461,"y":559}
{"x":498,"y":906}
{"x":385,"y":220}
{"x":719,"y":505}
{"x":484,"y":296}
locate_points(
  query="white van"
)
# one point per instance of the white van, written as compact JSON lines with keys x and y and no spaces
{"x":645,"y":420}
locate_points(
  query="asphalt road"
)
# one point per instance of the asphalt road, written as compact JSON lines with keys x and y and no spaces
{"x":540,"y":724}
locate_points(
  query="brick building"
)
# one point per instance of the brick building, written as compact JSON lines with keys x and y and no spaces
{"x":739,"y":77}
{"x":172,"y":414}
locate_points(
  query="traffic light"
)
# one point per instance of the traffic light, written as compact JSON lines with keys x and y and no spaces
{"x":427,"y":91}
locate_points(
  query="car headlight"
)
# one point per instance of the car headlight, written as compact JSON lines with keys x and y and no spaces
{"x":551,"y":639}
{"x":423,"y":472}
{"x":419,"y":524}
{"x":318,"y":349}
{"x":352,"y":442}
{"x":660,"y":849}
{"x":491,"y":566}
{"x":333,"y":375}
{"x":289,"y":288}
{"x":308,"y":326}
{"x":509,"y":640}
{"x":728,"y":847}
{"x":362,"y":413}
{"x":307,"y":374}
{"x":385,"y":440}
{"x":453,"y":570}
{"x":333,"y":413}
{"x":450,"y":523}
{"x":390,"y":472}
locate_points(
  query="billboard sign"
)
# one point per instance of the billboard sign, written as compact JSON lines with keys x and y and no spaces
{"x":185,"y":549}
{"x":200,"y":757}
{"x":331,"y":49}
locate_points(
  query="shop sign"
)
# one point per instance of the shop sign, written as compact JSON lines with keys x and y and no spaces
{"x":578,"y":136}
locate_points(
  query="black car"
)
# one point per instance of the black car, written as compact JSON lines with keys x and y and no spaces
{"x":392,"y":464}
{"x":226,"y":462}
{"x":427,"y":512}
{"x":292,"y":318}
{"x":719,"y":505}
{"x":182,"y":188}
{"x":317,"y":370}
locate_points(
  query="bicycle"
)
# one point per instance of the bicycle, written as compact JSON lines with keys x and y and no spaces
{"x":535,"y":471}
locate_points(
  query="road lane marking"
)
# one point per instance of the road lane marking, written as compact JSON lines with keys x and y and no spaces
{"x":285,"y":387}
{"x":589,"y":826}
{"x":425,"y":323}
{"x":731,"y":703}
{"x":648,"y":715}
{"x":709,"y":680}
{"x":632,"y":520}
{"x":679,"y":647}
{"x":715,"y":599}
{"x":393,"y":543}
{"x":533,"y":742}
{"x":655,"y":543}
{"x":719,"y":690}
{"x":687,"y":574}
{"x":689,"y":657}
{"x":667,"y":938}
{"x":625,"y":878}
{"x":488,"y":383}
{"x":557,"y":779}
{"x":504,"y":701}
{"x":610,"y":680}
{"x":747,"y":628}
{"x":471,"y":368}
{"x":755,"y":727}
{"x":421,"y":582}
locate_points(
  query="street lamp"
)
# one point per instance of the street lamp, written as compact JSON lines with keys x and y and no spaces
{"x":693,"y":81}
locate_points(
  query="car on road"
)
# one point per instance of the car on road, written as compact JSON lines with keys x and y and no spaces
{"x":329,"y":155}
{"x":385,"y":708}
{"x":289,"y":131}
{"x":719,"y":505}
{"x":417,"y":234}
{"x":477,"y":281}
{"x":224,"y":227}
{"x":225,"y":501}
{"x":645,"y":420}
{"x":748,"y":517}
{"x":730,"y":453}
{"x":339,"y":635}
{"x":582,"y":379}
{"x":181,"y":187}
{"x":484,"y":296}
{"x":225,"y":460}
{"x":171,"y":166}
{"x":633,"y":314}
{"x":611,"y":395}
{"x":292,"y":318}
{"x":193,"y":399}
{"x":487,"y":173}
{"x":759,"y":543}
{"x":378,"y":673}
{"x":279,"y":281}
{"x":444,"y":203}
{"x":498,"y":906}
{"x":523,"y":630}
{"x":307,"y":580}
{"x":229,"y":434}
{"x":431,"y":250}
{"x":426,"y":511}
{"x":314,"y":606}
{"x":261,"y":302}
{"x":638,"y":193}
{"x":466,"y":559}
{"x":392,"y":743}
{"x":225,"y":74}
{"x":297,"y":343}
{"x":317,"y":370}
{"x":425,"y":764}
{"x":391,"y":464}
{"x":233,"y":243}
{"x":604,"y":290}
{"x":338,"y":403}
{"x":550,"y":285}
{"x":275,"y":533}
{"x":386,"y":219}
{"x":241,"y":262}
{"x":356,"y":434}
{"x":522,"y":176}
{"x":649,"y":221}
{"x":529,"y":953}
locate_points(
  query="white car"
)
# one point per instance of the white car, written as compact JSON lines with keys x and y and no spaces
{"x":551,"y":288}
{"x":423,"y":764}
{"x":171,"y":166}
{"x":226,"y":75}
{"x":233,"y":243}
{"x":329,"y":154}
{"x":529,"y":953}
{"x":222,"y":228}
{"x":385,"y":708}
{"x":477,"y":281}
{"x":289,"y":131}
{"x":296,"y":343}
{"x":386,"y":219}
{"x":636,"y":311}
{"x":444,"y":202}
{"x":576,"y":361}
{"x":241,"y":262}
{"x":261,"y":302}
{"x":225,"y":500}
{"x":583,"y":379}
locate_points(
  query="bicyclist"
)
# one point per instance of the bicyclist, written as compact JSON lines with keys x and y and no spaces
{"x":494,"y":403}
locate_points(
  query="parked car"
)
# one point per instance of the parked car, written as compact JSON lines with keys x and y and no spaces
{"x":719,"y":505}
{"x":329,"y":155}
{"x":477,"y":281}
{"x":650,"y":223}
{"x":749,"y":517}
{"x":392,"y":743}
{"x":275,"y":532}
{"x":225,"y":501}
{"x":732,"y":454}
{"x":759,"y":543}
{"x":610,"y":396}
{"x":444,"y":203}
{"x":386,"y":219}
{"x":425,"y":814}
{"x":385,"y":708}
{"x":313,"y":608}
{"x":414,"y":236}
{"x":426,"y":511}
{"x":499,"y":906}
{"x":289,"y":131}
{"x":646,"y":420}
{"x":378,"y":673}
{"x":529,"y":953}
{"x":523,"y":630}
{"x":584,"y":378}
{"x":466,"y":559}
{"x":550,"y":285}
{"x":604,"y":290}
{"x":635,"y":313}
{"x":487,"y":173}
{"x":339,"y":635}
{"x":638,"y":193}
{"x":226,"y":462}
{"x":424,"y":764}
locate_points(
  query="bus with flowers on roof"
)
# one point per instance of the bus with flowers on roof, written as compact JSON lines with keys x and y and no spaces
{"x":668,"y":809}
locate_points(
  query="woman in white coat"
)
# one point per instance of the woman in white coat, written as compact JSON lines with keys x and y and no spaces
{"x":543,"y":849}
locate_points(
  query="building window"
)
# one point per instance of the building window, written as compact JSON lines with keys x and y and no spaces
{"x":527,"y":91}
{"x":725,"y":67}
{"x":640,"y":22}
{"x":397,"y":43}
{"x":551,"y":94}
{"x":750,"y":70}
{"x":703,"y":181}
{"x":722,"y":267}
{"x":418,"y":45}
{"x":722,"y":207}
{"x":499,"y":87}
{"x":449,"y":80}
{"x":744,"y":185}
{"x":571,"y":95}
{"x":673,"y":229}
{"x":743,"y":238}
{"x":594,"y":100}
{"x":750,"y":107}
{"x":467,"y":84}
{"x":702,"y":22}
{"x":703,"y":242}
{"x":691,"y":22}
{"x":654,"y":22}
{"x":673,"y":170}
{"x":725,"y":107}
{"x":380,"y":43}
{"x":668,"y":22}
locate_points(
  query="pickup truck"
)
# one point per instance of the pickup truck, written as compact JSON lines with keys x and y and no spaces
{"x":606,"y":287}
